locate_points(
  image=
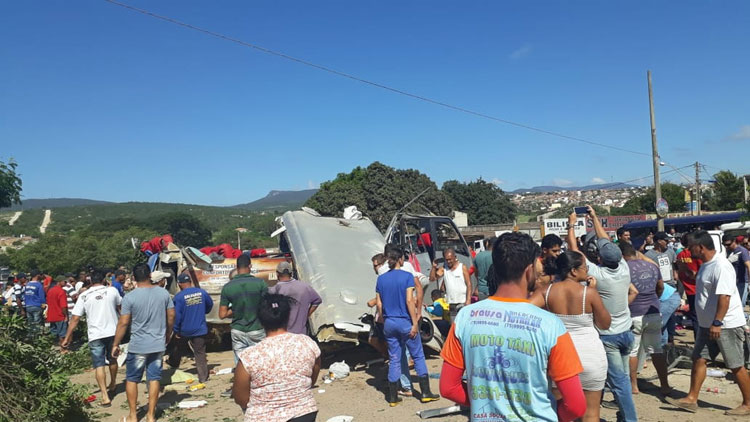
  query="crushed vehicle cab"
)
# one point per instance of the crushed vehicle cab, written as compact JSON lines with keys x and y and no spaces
{"x":426,"y":237}
{"x":334,"y":256}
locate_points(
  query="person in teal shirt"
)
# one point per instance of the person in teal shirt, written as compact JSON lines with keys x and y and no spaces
{"x":482,"y":263}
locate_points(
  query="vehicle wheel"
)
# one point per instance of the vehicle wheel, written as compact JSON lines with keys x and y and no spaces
{"x":426,"y":330}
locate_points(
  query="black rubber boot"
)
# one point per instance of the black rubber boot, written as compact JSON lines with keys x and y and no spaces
{"x":424,"y":388}
{"x":392,"y":394}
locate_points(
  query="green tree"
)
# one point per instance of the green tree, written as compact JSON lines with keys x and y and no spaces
{"x":61,"y":253}
{"x":484,"y":202}
{"x":727,"y":192}
{"x":35,"y":379}
{"x":186,"y":230}
{"x":379,"y":191}
{"x":646,"y":203}
{"x":10,"y":184}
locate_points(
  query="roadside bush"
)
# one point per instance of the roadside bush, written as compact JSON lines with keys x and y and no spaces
{"x":34,"y":381}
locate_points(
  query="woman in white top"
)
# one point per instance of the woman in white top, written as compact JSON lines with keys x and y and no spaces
{"x":580,"y":308}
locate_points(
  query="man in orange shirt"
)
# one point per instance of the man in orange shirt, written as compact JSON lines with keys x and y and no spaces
{"x":510,"y":349}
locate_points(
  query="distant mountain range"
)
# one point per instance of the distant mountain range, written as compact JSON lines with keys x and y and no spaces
{"x":279,"y":199}
{"x":602,"y":186}
{"x":31,"y":204}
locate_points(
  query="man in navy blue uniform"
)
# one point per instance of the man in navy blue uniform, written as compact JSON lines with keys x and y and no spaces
{"x":191,"y":305}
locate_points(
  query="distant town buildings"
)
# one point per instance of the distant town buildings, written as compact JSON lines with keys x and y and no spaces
{"x":550,"y":201}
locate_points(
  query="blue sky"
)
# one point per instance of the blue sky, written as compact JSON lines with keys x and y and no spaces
{"x":97,"y":101}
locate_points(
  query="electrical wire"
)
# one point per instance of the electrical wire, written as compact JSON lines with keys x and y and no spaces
{"x":611,"y":185}
{"x":371,"y":83}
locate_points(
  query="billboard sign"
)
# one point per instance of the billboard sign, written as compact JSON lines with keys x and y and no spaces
{"x":559,"y":226}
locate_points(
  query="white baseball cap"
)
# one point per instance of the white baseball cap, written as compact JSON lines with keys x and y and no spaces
{"x":157,"y":276}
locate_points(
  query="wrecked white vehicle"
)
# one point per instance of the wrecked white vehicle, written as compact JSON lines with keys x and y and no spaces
{"x":334,"y":256}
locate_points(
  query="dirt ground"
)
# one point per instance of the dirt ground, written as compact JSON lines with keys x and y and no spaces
{"x":360,"y":395}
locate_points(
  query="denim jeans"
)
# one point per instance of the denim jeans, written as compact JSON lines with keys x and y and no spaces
{"x":617,"y":348}
{"x":242,"y":340}
{"x":742,"y":289}
{"x":34,"y":319}
{"x":137,"y":363}
{"x":667,"y":309}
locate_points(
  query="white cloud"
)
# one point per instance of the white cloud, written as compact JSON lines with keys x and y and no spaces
{"x":311,"y":185}
{"x":598,"y":180}
{"x":562,"y":182}
{"x":741,"y":135}
{"x":497,"y":181}
{"x":521,"y":52}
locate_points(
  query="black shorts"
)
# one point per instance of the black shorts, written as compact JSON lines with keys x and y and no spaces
{"x":377,"y":331}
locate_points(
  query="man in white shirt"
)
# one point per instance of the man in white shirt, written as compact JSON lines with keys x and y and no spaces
{"x":721,"y":320}
{"x":454,"y":280}
{"x":101,"y":305}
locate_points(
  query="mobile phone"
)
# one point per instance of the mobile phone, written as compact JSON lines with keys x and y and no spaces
{"x":581,"y":210}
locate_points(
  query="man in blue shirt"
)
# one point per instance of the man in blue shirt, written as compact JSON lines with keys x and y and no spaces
{"x":34,"y":301}
{"x":739,"y":257}
{"x":395,"y":301}
{"x":191,"y":305}
{"x":117,"y":281}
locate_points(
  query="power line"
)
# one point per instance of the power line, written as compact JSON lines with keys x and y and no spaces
{"x":611,"y":185}
{"x":607,"y":186}
{"x":371,"y":83}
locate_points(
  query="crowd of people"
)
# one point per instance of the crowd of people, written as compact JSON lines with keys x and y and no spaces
{"x":609,"y":306}
{"x":136,"y":317}
{"x":541,"y":335}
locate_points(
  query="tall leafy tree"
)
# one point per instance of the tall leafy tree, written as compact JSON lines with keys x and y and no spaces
{"x":10,"y":184}
{"x":186,"y":229}
{"x":484,"y":202}
{"x":646,"y":203}
{"x":379,"y":191}
{"x":727,"y":192}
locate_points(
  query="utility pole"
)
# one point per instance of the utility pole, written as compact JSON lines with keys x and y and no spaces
{"x":654,"y":153}
{"x":698,"y":188}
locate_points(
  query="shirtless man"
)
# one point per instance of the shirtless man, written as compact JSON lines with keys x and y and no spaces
{"x":551,"y":248}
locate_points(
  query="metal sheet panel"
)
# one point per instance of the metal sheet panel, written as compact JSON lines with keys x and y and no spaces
{"x":334,"y":256}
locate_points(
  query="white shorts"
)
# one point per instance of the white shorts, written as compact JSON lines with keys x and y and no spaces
{"x":647,"y":334}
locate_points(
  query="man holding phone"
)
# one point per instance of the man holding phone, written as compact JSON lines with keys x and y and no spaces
{"x":454,"y":280}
